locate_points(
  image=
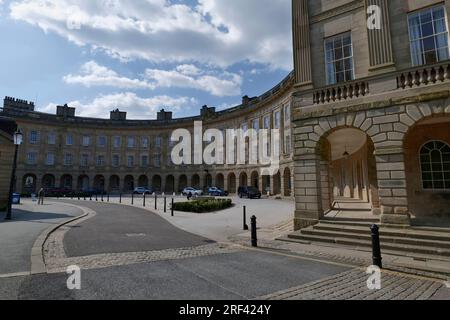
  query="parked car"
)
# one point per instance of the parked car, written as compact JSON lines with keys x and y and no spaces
{"x":191,"y":192}
{"x":142,"y":190}
{"x":59,"y":192}
{"x":217,"y":192}
{"x":249,"y":192}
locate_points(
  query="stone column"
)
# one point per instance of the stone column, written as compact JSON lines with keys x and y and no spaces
{"x":308,"y":189}
{"x":301,"y":35}
{"x":380,"y":43}
{"x":282,"y":182}
{"x":272,"y":185}
{"x":225,"y":183}
{"x":392,"y":187}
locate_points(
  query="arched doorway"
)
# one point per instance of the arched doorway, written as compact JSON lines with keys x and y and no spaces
{"x":99,"y":183}
{"x":255,"y":179}
{"x":29,"y":183}
{"x":243,"y":180}
{"x":277,"y":183}
{"x":208,"y":181}
{"x":157,"y":183}
{"x":287,"y":182}
{"x":196,"y":181}
{"x":48,"y":181}
{"x":170,"y":184}
{"x":232,"y":188}
{"x":143,"y":181}
{"x":183,"y":182}
{"x":220,"y":181}
{"x":83,"y":183}
{"x":129,"y":183}
{"x":427,"y":170}
{"x":114,"y":183}
{"x":66,"y":182}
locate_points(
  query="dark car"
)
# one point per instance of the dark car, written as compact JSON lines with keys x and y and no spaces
{"x":93,"y":192}
{"x":217,"y":192}
{"x":249,"y":192}
{"x":58,"y":192}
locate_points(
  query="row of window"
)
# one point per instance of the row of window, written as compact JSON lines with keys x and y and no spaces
{"x":428,"y":37}
{"x":68,"y":160}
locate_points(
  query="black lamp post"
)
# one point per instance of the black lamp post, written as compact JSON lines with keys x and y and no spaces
{"x":18,"y":138}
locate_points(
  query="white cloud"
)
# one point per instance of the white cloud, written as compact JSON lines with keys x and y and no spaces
{"x":189,"y":76}
{"x":93,"y":74}
{"x":137,"y":107}
{"x":215,"y":32}
{"x":217,"y":83}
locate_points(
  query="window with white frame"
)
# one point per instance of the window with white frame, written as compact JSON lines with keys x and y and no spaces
{"x":339,"y":58}
{"x":34,"y":137}
{"x":86,"y":141}
{"x":32,"y":158}
{"x":287,"y":144}
{"x":158,"y":161}
{"x":130,"y":161}
{"x":144,"y":161}
{"x":68,"y":159}
{"x":267,"y":122}
{"x":69,"y":140}
{"x":428,"y":34}
{"x":117,"y":142}
{"x":435,"y":165}
{"x":131,"y":142}
{"x":51,"y":139}
{"x":145,"y":142}
{"x":50,"y":160}
{"x":84,"y":161}
{"x":158,"y":142}
{"x":277,"y":120}
{"x":115,"y":160}
{"x":255,"y":125}
{"x":287,"y":113}
{"x":100,"y":161}
{"x":101,"y":141}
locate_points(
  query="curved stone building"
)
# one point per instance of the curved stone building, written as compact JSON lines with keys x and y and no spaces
{"x":117,"y":155}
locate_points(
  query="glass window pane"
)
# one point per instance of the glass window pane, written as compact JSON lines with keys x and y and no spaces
{"x":338,"y":42}
{"x":329,"y":55}
{"x":348,"y":51}
{"x":427,"y":176}
{"x":338,"y":53}
{"x":430,"y":57}
{"x":427,"y":29}
{"x":429,"y":44}
{"x":438,"y":184}
{"x":436,"y":167}
{"x":340,"y":77}
{"x":440,"y":26}
{"x":348,"y":75}
{"x":441,"y":40}
{"x":414,"y":27}
{"x":438,"y":13}
{"x":425,"y":16}
{"x":328,"y":45}
{"x":443,"y":54}
{"x":436,"y":156}
{"x":428,"y":185}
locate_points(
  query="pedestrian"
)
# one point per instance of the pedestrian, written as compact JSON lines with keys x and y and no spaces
{"x":41,"y":195}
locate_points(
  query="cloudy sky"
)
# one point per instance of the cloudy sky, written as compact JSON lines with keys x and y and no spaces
{"x":142,"y":55}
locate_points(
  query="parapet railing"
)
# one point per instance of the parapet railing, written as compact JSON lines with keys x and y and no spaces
{"x":423,"y":76}
{"x":339,"y":92}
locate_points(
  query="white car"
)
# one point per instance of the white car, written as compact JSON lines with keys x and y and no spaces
{"x":191,"y":192}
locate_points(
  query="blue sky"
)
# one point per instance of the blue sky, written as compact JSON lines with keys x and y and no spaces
{"x":142,"y":55}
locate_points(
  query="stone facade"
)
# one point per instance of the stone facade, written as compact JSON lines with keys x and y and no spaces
{"x":43,"y":157}
{"x":7,"y":128}
{"x":387,"y":101}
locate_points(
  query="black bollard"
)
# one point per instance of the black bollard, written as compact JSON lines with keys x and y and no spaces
{"x":96,"y":197}
{"x":84,"y":197}
{"x":78,"y":197}
{"x":107,"y":197}
{"x":376,"y":247}
{"x":120,"y":198}
{"x":254,"y":234}
{"x":102,"y":197}
{"x":172,"y":208}
{"x":165,"y":204}
{"x":144,"y":201}
{"x":156,"y":201}
{"x":90,"y":197}
{"x":132,"y":199}
{"x":245,"y":218}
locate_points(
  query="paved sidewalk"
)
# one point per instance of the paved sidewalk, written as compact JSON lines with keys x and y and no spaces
{"x":218,"y":226}
{"x":18,"y":236}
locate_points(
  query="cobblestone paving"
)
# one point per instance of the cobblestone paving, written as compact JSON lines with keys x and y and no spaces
{"x":352,"y":285}
{"x":57,"y":261}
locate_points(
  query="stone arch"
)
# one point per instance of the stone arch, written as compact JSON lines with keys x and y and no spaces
{"x":143,"y":181}
{"x":183,"y":182}
{"x":220,"y":181}
{"x":243,"y":179}
{"x":232,"y":187}
{"x":48,"y":181}
{"x":254,"y":178}
{"x":196,"y":181}
{"x":66,"y":182}
{"x":99,"y":182}
{"x":427,"y":203}
{"x":277,"y":183}
{"x":128,"y":183}
{"x":83,"y":182}
{"x":157,"y":183}
{"x":170,"y":184}
{"x":114,"y":183}
{"x":29,"y":183}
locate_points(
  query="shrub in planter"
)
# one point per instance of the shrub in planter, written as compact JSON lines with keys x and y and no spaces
{"x":203,"y":205}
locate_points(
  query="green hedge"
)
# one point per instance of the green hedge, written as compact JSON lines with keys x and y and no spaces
{"x":203,"y":205}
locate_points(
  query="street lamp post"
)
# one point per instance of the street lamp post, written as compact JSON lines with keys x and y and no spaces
{"x":18,"y":138}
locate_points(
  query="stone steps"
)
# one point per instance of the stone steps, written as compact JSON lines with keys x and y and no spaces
{"x":419,"y":242}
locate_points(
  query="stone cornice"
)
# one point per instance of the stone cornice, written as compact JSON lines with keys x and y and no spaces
{"x":329,"y":14}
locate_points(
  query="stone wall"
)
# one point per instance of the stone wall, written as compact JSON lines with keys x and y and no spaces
{"x":6,"y":160}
